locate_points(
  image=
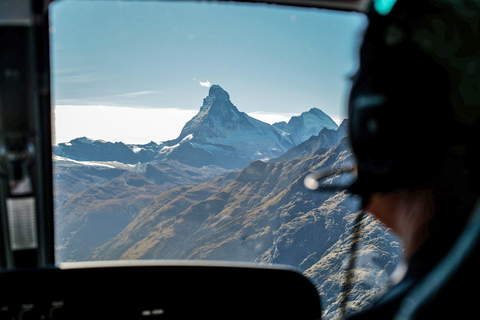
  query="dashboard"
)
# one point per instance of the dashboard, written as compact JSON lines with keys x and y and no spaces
{"x":155,"y":290}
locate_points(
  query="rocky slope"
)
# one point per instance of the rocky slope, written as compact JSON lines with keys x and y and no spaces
{"x":103,"y":197}
{"x":88,"y":219}
{"x":325,"y":139}
{"x":263,"y":214}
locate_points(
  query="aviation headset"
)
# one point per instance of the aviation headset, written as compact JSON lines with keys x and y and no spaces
{"x":414,"y":106}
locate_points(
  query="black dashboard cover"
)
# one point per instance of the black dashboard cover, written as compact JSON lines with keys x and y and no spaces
{"x":158,"y":292}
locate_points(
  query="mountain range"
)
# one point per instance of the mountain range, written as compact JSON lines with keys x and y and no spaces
{"x":264,"y":214}
{"x":219,"y":134}
{"x":230,"y":187}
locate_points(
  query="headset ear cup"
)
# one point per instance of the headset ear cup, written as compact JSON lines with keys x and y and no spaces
{"x":399,"y":112}
{"x":368,"y":135}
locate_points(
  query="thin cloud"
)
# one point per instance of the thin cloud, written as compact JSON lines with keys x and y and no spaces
{"x":83,"y":78}
{"x":205,"y":84}
{"x":134,"y":94}
{"x":72,"y":70}
{"x":101,"y":99}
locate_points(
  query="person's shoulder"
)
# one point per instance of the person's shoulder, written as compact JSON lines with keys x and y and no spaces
{"x":441,"y":281}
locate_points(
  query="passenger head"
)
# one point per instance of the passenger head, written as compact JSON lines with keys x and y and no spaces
{"x":414,"y":108}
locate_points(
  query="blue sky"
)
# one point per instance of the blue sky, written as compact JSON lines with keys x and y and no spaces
{"x":155,"y":55}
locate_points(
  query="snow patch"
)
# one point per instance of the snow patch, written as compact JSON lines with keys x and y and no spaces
{"x":167,"y":148}
{"x":107,"y":164}
{"x":85,"y":163}
{"x":187,"y":138}
{"x":136,"y":149}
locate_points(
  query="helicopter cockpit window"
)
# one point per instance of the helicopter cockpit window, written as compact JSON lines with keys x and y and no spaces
{"x":184,"y":130}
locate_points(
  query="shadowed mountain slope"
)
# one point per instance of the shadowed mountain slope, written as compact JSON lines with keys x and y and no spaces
{"x":262,"y":213}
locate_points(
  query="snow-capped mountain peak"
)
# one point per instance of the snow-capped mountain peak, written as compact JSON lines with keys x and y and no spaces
{"x":217,"y":92}
{"x":218,"y":105}
{"x":220,"y":129}
{"x":307,"y":124}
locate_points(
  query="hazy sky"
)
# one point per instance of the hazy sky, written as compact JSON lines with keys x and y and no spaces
{"x":125,"y":71}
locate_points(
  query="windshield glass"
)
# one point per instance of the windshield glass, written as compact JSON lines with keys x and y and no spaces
{"x":185,"y":131}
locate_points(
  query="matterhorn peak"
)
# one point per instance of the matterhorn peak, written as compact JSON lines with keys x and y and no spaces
{"x":217,"y":92}
{"x":218,"y":103}
{"x":220,"y":131}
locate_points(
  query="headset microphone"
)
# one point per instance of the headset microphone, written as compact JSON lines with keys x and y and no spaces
{"x":324,"y":180}
{"x":313,"y":181}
